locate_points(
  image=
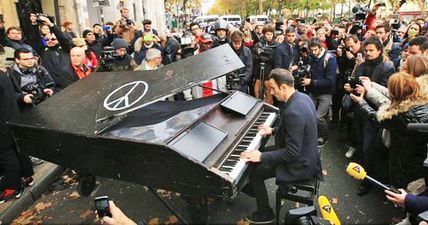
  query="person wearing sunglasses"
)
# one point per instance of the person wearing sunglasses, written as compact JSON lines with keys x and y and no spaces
{"x":56,"y":55}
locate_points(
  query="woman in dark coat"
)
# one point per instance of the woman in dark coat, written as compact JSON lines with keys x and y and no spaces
{"x":409,"y":104}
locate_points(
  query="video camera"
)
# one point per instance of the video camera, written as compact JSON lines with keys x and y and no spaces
{"x":266,"y":53}
{"x":234,"y":81}
{"x":108,"y":58}
{"x":303,"y":71}
{"x":37,"y":91}
{"x":38,"y":15}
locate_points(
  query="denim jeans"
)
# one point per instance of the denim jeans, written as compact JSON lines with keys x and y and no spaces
{"x":322,"y":104}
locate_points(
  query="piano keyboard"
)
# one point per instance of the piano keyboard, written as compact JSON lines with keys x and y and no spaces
{"x":233,"y":165}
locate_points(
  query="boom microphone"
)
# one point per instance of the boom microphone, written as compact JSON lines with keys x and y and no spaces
{"x":327,"y":210}
{"x":356,"y":171}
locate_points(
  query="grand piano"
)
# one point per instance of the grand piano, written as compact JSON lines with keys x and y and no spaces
{"x":113,"y":125}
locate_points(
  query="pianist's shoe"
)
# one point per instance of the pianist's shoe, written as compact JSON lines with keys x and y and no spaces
{"x":258,"y":218}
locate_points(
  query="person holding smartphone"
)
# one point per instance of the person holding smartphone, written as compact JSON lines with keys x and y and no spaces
{"x":117,"y":217}
{"x":379,"y":70}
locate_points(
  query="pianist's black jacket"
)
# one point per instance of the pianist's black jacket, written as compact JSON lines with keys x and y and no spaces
{"x":297,"y":157}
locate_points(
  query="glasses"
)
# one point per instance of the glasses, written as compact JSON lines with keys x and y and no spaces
{"x":51,"y":39}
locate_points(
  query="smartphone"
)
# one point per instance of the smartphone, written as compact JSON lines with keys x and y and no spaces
{"x":102,"y":206}
{"x":359,"y":56}
{"x":334,"y":32}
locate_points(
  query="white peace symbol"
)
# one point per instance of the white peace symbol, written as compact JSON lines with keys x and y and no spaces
{"x":114,"y":105}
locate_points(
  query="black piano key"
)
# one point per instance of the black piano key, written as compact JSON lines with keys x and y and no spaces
{"x":225,"y":169}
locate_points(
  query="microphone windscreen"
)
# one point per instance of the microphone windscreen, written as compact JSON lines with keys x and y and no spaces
{"x":327,"y":210}
{"x":356,"y":171}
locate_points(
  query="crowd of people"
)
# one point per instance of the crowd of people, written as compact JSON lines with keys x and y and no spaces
{"x":365,"y":77}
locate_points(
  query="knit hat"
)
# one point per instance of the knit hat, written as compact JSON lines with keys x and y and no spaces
{"x":86,"y":32}
{"x":78,"y":42}
{"x":153,"y":53}
{"x":119,"y":43}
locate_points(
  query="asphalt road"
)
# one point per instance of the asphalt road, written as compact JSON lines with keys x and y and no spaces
{"x":61,"y":204}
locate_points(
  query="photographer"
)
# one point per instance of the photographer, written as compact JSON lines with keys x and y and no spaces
{"x":379,"y":70}
{"x":321,"y":84}
{"x":32,"y":83}
{"x":121,"y":60}
{"x":56,"y":55}
{"x":244,"y":53}
{"x":347,"y":57}
{"x":97,"y":45}
{"x":125,"y":27}
{"x":263,"y":53}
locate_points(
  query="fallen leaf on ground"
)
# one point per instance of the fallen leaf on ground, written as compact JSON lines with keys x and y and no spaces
{"x":324,"y":172}
{"x":154,"y":221}
{"x":74,"y":195}
{"x":334,"y":200}
{"x":361,"y":212}
{"x":242,"y":222}
{"x":41,"y":206}
{"x":171,"y":220}
{"x":85,"y":214}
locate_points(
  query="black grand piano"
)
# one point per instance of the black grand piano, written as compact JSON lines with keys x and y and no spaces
{"x":113,"y":125}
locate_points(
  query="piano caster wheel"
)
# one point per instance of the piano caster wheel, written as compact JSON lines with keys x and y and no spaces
{"x":86,"y":184}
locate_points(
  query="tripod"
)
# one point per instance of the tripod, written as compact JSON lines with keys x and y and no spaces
{"x":262,"y":81}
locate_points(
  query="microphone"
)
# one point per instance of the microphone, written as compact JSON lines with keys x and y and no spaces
{"x":356,"y":171}
{"x":327,"y":210}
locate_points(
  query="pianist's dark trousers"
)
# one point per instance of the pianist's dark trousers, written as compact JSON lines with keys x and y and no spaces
{"x":257,"y":181}
{"x":16,"y":165}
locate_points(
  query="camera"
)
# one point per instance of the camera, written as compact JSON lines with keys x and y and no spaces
{"x":38,"y":15}
{"x":234,"y":81}
{"x":37,"y":91}
{"x":102,"y":206}
{"x":353,"y":82}
{"x":303,"y":71}
{"x":266,"y":53}
{"x":345,"y":48}
{"x":108,"y":58}
{"x":334,"y":32}
{"x":129,"y":22}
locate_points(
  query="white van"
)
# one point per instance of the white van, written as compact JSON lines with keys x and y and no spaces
{"x":235,"y":20}
{"x":260,"y":19}
{"x":204,"y":20}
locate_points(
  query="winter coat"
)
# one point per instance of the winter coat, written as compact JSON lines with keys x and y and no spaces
{"x":408,"y":149}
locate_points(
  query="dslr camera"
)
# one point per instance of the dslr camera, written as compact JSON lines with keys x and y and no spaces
{"x":37,"y":91}
{"x":129,"y":22}
{"x":303,"y":71}
{"x":38,"y":15}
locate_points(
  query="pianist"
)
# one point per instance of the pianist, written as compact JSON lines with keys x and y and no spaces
{"x":295,"y":156}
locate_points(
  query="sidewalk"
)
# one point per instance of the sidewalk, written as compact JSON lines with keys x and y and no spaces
{"x":44,"y":175}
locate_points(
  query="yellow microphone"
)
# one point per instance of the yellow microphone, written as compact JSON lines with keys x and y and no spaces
{"x":356,"y":171}
{"x":327,"y":210}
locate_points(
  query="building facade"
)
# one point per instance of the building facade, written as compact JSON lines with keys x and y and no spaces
{"x":84,"y":13}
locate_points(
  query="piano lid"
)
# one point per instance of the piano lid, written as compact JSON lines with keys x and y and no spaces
{"x":101,"y":100}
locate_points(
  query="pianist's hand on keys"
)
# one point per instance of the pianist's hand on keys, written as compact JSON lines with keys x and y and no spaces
{"x":264,"y":130}
{"x":251,"y":156}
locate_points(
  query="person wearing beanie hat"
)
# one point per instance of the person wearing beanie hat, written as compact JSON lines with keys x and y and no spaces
{"x":121,"y":61}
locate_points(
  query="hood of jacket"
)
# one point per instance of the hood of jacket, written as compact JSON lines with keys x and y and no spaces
{"x":385,"y":112}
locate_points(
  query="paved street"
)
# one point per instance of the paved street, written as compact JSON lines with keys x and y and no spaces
{"x":62,"y":205}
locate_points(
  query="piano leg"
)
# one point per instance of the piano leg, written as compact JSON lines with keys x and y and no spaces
{"x":86,"y":184}
{"x":197,"y":208}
